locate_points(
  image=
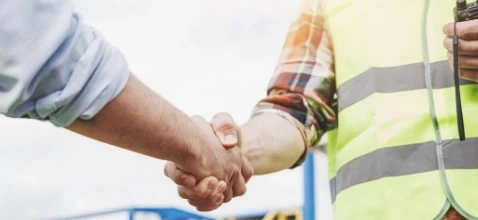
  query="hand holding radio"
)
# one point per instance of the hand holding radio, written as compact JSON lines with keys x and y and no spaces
{"x":461,"y":41}
{"x":467,"y":47}
{"x":462,"y":36}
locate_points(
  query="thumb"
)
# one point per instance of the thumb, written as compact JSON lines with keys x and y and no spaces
{"x":226,"y":130}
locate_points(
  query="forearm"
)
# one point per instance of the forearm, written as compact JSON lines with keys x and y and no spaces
{"x":271,"y":143}
{"x":139,"y":120}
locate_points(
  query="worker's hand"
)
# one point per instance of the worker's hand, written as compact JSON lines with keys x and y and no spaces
{"x":467,"y":33}
{"x":209,"y":193}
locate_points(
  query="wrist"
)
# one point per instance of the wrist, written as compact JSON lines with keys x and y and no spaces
{"x":271,"y":143}
{"x":184,"y":141}
{"x":253,"y":143}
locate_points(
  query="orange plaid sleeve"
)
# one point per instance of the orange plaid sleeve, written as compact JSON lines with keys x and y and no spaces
{"x":302,"y":88}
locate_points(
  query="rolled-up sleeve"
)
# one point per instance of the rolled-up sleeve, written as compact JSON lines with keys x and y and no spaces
{"x":302,"y":88}
{"x":52,"y":66}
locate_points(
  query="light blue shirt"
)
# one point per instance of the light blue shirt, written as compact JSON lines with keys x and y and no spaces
{"x":52,"y":66}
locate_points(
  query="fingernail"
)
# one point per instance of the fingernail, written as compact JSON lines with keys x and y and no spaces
{"x":229,"y":139}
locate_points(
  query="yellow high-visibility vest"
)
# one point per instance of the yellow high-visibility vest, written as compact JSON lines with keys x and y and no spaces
{"x":395,"y":153}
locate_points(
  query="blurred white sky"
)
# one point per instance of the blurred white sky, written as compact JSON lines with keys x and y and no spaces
{"x":205,"y":56}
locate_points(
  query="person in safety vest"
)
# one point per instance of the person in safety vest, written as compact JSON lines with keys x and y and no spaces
{"x":376,"y":77}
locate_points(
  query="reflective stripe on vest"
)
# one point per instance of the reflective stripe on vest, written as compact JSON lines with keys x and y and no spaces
{"x":394,"y":153}
{"x":394,"y":79}
{"x":405,"y":160}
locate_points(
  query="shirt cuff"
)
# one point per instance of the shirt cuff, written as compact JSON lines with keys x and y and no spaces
{"x":98,"y":77}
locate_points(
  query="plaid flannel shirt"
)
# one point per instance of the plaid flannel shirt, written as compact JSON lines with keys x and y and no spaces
{"x":302,"y":88}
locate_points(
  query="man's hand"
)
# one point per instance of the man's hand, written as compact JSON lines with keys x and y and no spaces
{"x":467,"y":33}
{"x":210,"y":193}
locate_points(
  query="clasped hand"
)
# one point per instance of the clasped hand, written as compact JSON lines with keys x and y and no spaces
{"x":223,"y":171}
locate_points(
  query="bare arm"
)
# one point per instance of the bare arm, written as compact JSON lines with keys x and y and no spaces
{"x":271,"y":143}
{"x":142,"y":121}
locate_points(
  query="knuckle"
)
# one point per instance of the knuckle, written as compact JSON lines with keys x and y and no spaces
{"x":169,"y":170}
{"x":227,"y":199}
{"x":466,"y":32}
{"x":446,"y":28}
{"x":203,"y":209}
{"x":182,"y":193}
{"x":198,"y":118}
{"x":241,"y":191}
{"x":460,"y":31}
{"x":182,"y":179}
{"x":192,"y":202}
{"x":177,"y":179}
{"x":228,"y":196}
{"x":201,"y":192}
{"x":224,"y":115}
{"x":472,"y":46}
{"x":165,"y":170}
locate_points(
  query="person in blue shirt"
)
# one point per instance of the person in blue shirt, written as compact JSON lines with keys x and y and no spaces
{"x":55,"y":68}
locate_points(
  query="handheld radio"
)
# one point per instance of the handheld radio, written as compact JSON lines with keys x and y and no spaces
{"x":466,"y":11}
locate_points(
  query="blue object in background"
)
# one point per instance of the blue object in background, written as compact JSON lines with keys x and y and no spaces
{"x":163,"y":213}
{"x":309,"y":187}
{"x":176,"y":214}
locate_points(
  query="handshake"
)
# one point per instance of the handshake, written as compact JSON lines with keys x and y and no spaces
{"x":218,"y":171}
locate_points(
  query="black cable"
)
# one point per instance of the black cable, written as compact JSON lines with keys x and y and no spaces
{"x":459,"y":112}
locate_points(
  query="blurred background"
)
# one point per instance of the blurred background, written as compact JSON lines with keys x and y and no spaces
{"x":204,"y":56}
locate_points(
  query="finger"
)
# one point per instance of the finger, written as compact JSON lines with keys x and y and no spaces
{"x":464,"y":61}
{"x":178,"y":176}
{"x":217,"y":196}
{"x":203,"y":205}
{"x":469,"y":74}
{"x":209,"y":204}
{"x":228,"y":194}
{"x":466,"y":30}
{"x":448,"y":29}
{"x":203,"y":189}
{"x":198,"y":192}
{"x":188,"y":193}
{"x":226,"y":130}
{"x":239,"y":187}
{"x":247,"y":170}
{"x":464,"y":47}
